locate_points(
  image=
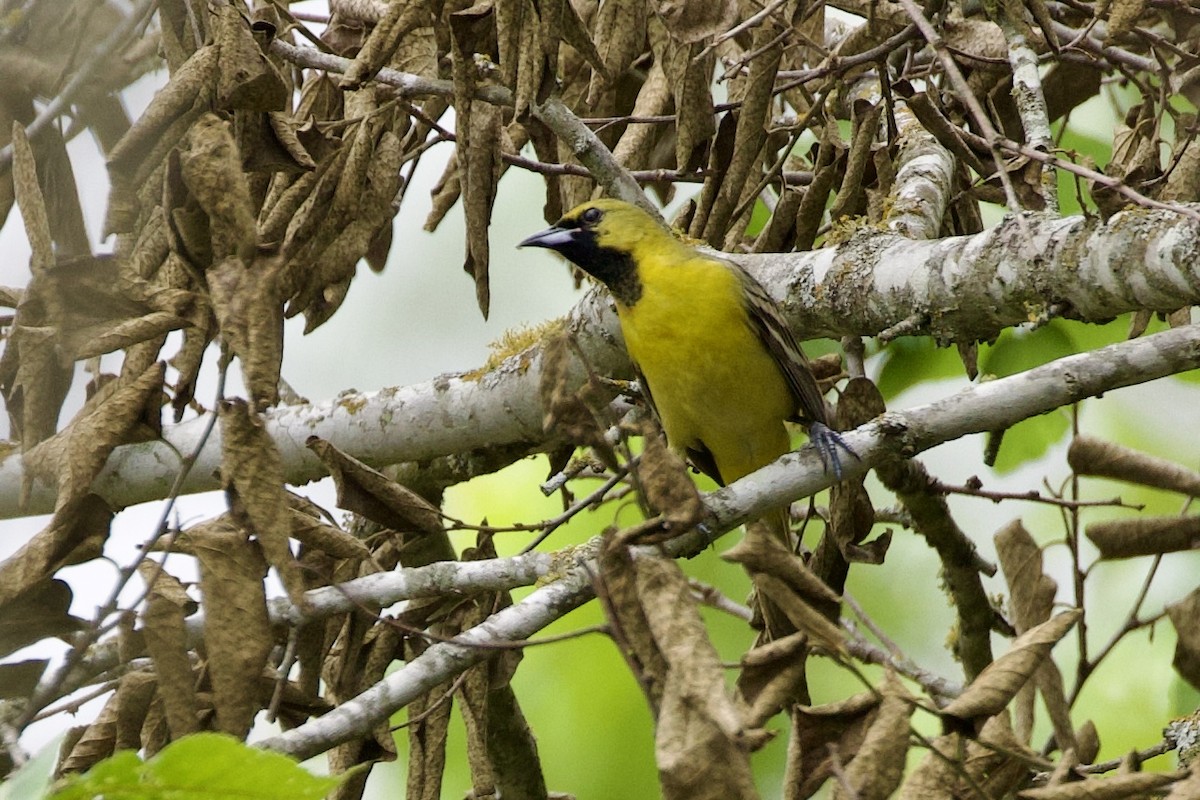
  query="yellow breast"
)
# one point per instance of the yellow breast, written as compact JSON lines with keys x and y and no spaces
{"x":712,"y":379}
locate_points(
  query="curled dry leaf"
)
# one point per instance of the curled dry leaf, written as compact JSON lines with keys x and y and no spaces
{"x":365,"y":491}
{"x":996,"y":686}
{"x":994,"y":761}
{"x":619,"y":31}
{"x":852,"y":514}
{"x":211,"y":167}
{"x":617,"y":590}
{"x":40,"y":612}
{"x":163,"y":627}
{"x":1185,"y":617}
{"x":19,"y":679}
{"x":805,"y":617}
{"x":246,"y":80}
{"x":697,"y":20}
{"x":1032,"y":593}
{"x":70,"y":461}
{"x":246,"y":300}
{"x":237,"y":630}
{"x":571,"y":399}
{"x":877,"y":767}
{"x":386,"y":36}
{"x":479,"y":173}
{"x":667,"y":486}
{"x":766,"y":554}
{"x":157,"y":131}
{"x":1090,"y":456}
{"x":312,"y":533}
{"x":825,"y":737}
{"x":772,"y":676}
{"x":252,"y":474}
{"x":33,"y":378}
{"x":700,"y":738}
{"x":1142,"y":536}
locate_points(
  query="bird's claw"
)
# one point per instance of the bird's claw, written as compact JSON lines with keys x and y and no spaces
{"x":828,"y":442}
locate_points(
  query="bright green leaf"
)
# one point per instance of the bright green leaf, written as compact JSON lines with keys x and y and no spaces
{"x":206,"y":766}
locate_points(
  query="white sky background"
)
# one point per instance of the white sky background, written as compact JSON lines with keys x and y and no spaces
{"x":419,"y":318}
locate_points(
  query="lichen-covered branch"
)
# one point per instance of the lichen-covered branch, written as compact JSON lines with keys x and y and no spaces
{"x":963,"y":288}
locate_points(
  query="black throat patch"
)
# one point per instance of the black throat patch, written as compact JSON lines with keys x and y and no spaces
{"x":614,"y":268}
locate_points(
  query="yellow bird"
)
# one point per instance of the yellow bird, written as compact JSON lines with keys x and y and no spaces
{"x":716,"y":360}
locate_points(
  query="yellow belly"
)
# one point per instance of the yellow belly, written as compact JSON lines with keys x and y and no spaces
{"x":713,"y":381}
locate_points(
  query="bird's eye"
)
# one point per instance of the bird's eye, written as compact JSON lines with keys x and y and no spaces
{"x":591,"y":216}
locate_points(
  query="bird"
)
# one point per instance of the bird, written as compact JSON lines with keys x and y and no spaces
{"x":716,"y":362}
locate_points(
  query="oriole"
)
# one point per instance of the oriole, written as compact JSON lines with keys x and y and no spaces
{"x":716,"y":361}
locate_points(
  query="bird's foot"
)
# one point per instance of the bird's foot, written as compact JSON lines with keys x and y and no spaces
{"x":828,"y":442}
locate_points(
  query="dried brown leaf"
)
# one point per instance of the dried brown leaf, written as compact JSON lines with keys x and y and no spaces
{"x":823,"y":739}
{"x":211,"y":167}
{"x":334,"y":267}
{"x":1185,"y":617}
{"x":1142,"y":536}
{"x":480,"y":166}
{"x":135,"y":693}
{"x":1032,"y":593}
{"x":76,"y":533}
{"x":772,"y":676}
{"x":246,"y":300}
{"x":427,"y":735}
{"x":700,"y":740}
{"x":1123,"y":15}
{"x":996,"y":686}
{"x":18,"y":679}
{"x":170,"y":114}
{"x":696,"y":20}
{"x":365,"y":491}
{"x":619,"y":31}
{"x":1090,"y":456}
{"x":667,"y":486}
{"x":1031,"y":589}
{"x":571,"y":399}
{"x":252,"y":475}
{"x":997,"y":763}
{"x":804,"y":616}
{"x":31,"y":202}
{"x":617,"y":590}
{"x":165,"y":632}
{"x":689,"y":74}
{"x":388,"y":33}
{"x":315,"y":534}
{"x":766,"y":554}
{"x":878,"y":763}
{"x":41,"y":612}
{"x":95,"y":743}
{"x":246,"y":80}
{"x":237,"y":630}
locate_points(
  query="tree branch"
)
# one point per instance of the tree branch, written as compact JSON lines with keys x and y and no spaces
{"x":995,"y":404}
{"x":958,"y":289}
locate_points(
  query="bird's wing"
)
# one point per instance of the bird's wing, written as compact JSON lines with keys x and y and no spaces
{"x":781,"y":344}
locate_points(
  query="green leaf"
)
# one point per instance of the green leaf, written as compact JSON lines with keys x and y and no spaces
{"x":1018,"y":350}
{"x":114,"y":777}
{"x":32,"y":780}
{"x":206,"y":766}
{"x":912,"y":360}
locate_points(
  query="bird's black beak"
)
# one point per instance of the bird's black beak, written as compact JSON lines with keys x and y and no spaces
{"x":553,"y":238}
